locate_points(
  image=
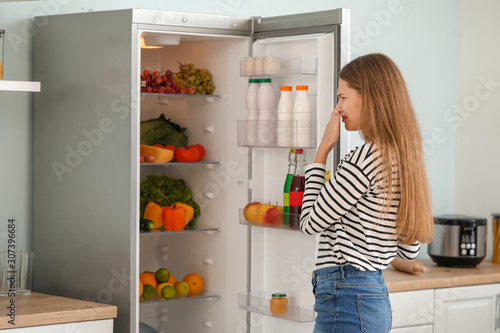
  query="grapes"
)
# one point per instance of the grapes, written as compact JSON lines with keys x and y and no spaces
{"x":189,"y":80}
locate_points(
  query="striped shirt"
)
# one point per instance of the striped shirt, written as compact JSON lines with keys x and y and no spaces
{"x":348,"y":213}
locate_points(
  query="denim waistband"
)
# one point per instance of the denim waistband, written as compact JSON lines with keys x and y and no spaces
{"x":342,"y":270}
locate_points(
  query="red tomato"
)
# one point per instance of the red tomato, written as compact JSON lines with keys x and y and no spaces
{"x":170,"y":147}
{"x":201,"y":151}
{"x":186,"y":154}
{"x":159,"y":145}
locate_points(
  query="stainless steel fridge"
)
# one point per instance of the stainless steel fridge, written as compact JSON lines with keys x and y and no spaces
{"x":87,"y":173}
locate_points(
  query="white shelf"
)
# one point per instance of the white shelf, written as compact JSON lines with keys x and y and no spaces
{"x":27,"y":86}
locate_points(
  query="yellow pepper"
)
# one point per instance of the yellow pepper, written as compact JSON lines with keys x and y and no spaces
{"x":153,"y":212}
{"x":189,"y":211}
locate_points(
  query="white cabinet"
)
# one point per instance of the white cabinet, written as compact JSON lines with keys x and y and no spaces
{"x":466,"y":309}
{"x":458,"y":309}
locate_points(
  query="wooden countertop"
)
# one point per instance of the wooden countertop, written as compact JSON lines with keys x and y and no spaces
{"x":40,"y":309}
{"x":442,"y":277}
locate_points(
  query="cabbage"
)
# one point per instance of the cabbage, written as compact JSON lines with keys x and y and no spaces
{"x":162,"y":131}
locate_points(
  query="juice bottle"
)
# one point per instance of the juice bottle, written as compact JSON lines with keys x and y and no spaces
{"x":286,"y":188}
{"x":297,"y":189}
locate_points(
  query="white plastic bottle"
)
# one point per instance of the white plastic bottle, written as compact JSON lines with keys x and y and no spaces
{"x":253,"y":112}
{"x":285,"y":117}
{"x":266,"y":126}
{"x":302,"y":118}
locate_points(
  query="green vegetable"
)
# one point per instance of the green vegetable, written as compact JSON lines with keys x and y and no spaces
{"x":165,"y":191}
{"x":147,"y":225}
{"x":162,"y":131}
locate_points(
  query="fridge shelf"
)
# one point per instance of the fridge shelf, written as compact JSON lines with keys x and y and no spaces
{"x":285,"y":66}
{"x":174,"y":163}
{"x":257,"y":303}
{"x":278,"y":225}
{"x":158,"y":299}
{"x":196,"y":228}
{"x":264,"y":134}
{"x":165,"y":98}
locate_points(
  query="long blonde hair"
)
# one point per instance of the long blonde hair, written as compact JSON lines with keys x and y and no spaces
{"x":388,"y":120}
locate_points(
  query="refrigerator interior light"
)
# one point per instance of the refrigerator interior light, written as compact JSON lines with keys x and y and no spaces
{"x":151,"y":39}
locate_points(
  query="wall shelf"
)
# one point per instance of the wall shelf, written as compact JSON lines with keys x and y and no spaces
{"x":21,"y":86}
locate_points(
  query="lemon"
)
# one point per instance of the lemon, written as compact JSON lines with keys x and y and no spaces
{"x":148,"y":291}
{"x":168,"y":291}
{"x":181,"y":288}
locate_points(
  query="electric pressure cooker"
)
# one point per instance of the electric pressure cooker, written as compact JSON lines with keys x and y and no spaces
{"x":459,"y":240}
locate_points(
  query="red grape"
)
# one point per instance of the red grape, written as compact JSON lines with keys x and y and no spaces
{"x":146,"y":72}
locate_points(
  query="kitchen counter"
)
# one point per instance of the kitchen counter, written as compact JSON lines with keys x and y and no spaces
{"x":442,"y":277}
{"x":40,"y":309}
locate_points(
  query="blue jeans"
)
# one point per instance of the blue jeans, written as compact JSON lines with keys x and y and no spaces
{"x":349,"y":300}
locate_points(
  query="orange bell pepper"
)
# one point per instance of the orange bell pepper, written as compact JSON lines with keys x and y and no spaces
{"x":174,"y":217}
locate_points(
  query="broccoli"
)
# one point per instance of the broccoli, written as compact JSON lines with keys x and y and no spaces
{"x":165,"y":191}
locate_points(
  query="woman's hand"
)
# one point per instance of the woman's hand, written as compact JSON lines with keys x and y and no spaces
{"x":330,"y":138}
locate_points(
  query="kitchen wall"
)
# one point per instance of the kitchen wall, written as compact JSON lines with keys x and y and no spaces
{"x":421,"y":36}
{"x":477,"y":115}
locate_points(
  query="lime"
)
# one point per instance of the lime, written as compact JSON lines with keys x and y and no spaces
{"x":168,"y":292}
{"x":162,"y":275}
{"x":148,"y":291}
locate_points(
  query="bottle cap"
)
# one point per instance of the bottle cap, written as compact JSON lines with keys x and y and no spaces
{"x":302,"y":87}
{"x":286,"y":88}
{"x":299,"y":151}
{"x":265,"y":81}
{"x":278,"y":295}
{"x":254,"y":81}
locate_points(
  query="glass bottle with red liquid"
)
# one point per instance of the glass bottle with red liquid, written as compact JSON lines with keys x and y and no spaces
{"x":286,"y":187}
{"x":297,"y":188}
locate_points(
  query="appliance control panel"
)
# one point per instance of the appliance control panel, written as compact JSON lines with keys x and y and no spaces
{"x":468,"y":243}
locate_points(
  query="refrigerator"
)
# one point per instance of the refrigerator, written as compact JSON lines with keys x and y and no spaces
{"x":87,"y":173}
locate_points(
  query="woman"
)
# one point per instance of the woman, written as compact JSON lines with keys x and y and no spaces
{"x":376,"y":206}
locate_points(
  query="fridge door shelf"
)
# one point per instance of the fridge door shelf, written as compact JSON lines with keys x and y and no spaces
{"x":277,"y":225}
{"x":257,"y":303}
{"x":158,"y":299}
{"x":267,"y":133}
{"x":286,"y":66}
{"x":166,"y":98}
{"x":174,"y":163}
{"x":196,"y":228}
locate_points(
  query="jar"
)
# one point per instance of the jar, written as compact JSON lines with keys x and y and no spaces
{"x":279,"y":303}
{"x":2,"y":35}
{"x":258,"y":67}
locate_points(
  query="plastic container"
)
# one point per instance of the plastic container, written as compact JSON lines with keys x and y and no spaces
{"x":2,"y":39}
{"x":253,"y":112}
{"x":297,"y":188}
{"x":258,"y":68}
{"x":279,"y":303}
{"x":266,"y":126}
{"x":249,"y":66}
{"x":271,"y":65}
{"x":285,"y":117}
{"x":302,"y":116}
